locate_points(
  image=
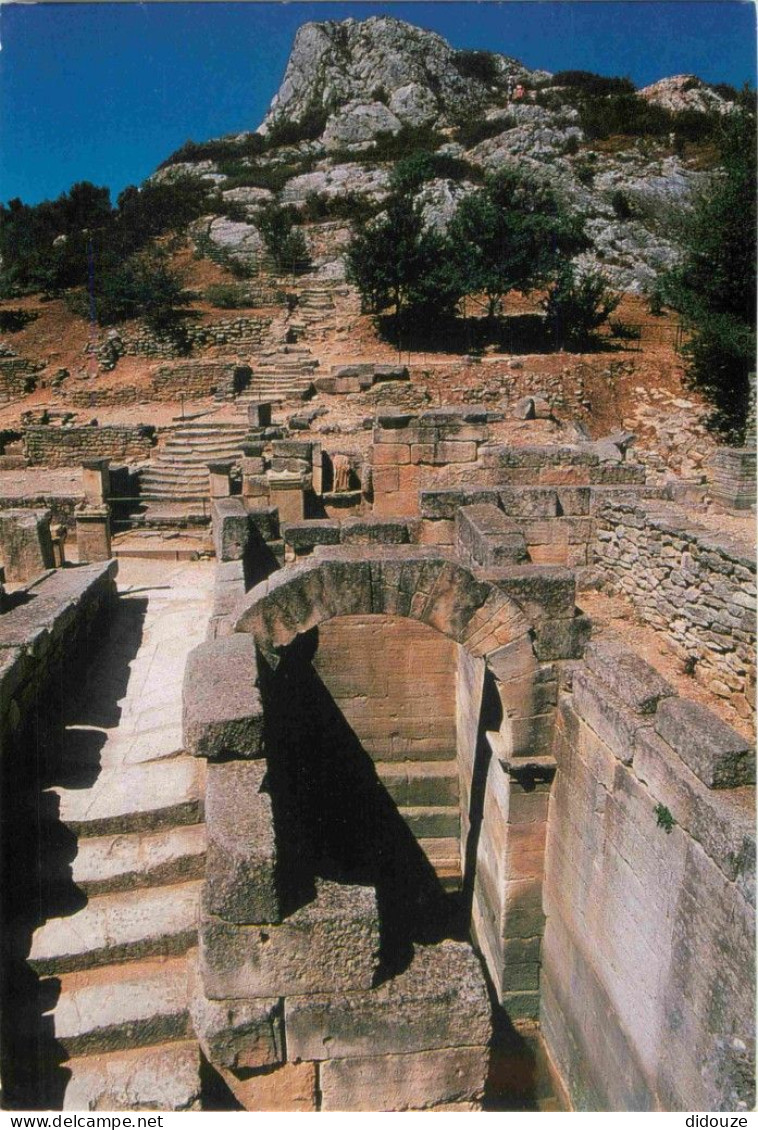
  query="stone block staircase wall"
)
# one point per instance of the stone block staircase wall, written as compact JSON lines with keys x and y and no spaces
{"x":179,"y":471}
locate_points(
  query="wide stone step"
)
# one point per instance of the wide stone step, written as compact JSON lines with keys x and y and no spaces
{"x":134,"y":798}
{"x":104,"y":864}
{"x":118,"y":1007}
{"x":196,"y":450}
{"x":432,"y":821}
{"x":420,"y":782}
{"x":120,"y":927}
{"x":169,"y":472}
{"x":165,"y":1077}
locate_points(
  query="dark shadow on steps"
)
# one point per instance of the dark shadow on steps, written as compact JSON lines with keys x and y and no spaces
{"x":334,"y":818}
{"x":38,"y":849}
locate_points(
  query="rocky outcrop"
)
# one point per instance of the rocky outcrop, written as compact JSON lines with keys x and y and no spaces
{"x":414,"y":75}
{"x":685,"y":92}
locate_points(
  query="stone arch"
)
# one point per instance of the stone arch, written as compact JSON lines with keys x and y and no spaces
{"x":439,"y":591}
{"x":423,"y":585}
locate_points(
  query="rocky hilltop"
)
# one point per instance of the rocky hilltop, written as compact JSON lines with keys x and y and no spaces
{"x":357,"y":96}
{"x":380,"y":74}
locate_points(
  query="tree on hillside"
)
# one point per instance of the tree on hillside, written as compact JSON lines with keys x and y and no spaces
{"x":576,"y":306}
{"x":284,"y":242}
{"x":396,"y":261}
{"x":715,"y":286}
{"x":43,"y":246}
{"x":512,"y":234}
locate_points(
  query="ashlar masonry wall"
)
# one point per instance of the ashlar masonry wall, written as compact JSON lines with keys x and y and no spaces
{"x":394,"y":681}
{"x":648,"y":954}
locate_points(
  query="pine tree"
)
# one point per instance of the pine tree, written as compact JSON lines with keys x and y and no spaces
{"x":715,"y":286}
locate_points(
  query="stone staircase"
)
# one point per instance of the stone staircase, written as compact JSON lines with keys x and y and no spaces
{"x":284,"y":373}
{"x":315,"y":316}
{"x":110,"y":1027}
{"x":179,"y":470}
{"x":114,"y":974}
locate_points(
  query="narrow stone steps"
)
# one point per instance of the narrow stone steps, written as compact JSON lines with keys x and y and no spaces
{"x":114,"y":1008}
{"x":165,"y":1077}
{"x":120,"y":927}
{"x":135,"y":798}
{"x":105,"y":864}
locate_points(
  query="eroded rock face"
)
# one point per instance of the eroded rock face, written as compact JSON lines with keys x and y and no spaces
{"x":358,"y":124}
{"x":381,"y":60}
{"x":685,"y":92}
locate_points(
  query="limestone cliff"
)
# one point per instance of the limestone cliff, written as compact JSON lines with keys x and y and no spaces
{"x":357,"y":95}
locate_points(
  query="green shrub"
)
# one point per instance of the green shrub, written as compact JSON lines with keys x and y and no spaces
{"x":655,"y":302}
{"x":411,"y":172}
{"x":585,"y":171}
{"x":621,"y":207}
{"x":219,"y":149}
{"x":714,"y":287}
{"x":624,"y":331}
{"x":284,"y":243}
{"x":593,"y":85}
{"x":571,"y":146}
{"x":480,"y":65}
{"x":144,"y":286}
{"x":350,"y":206}
{"x":664,"y":819}
{"x":272,"y":177}
{"x":470,"y":133}
{"x":228,"y":296}
{"x":308,"y":128}
{"x":393,"y":147}
{"x":576,"y":306}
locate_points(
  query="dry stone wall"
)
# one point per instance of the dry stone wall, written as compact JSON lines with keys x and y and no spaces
{"x":50,"y":446}
{"x":648,"y":954}
{"x":696,"y":588}
{"x":228,"y":334}
{"x":191,"y":379}
{"x":18,"y":375}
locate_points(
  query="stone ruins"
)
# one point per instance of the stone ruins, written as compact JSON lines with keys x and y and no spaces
{"x":369,"y":814}
{"x":377,"y":717}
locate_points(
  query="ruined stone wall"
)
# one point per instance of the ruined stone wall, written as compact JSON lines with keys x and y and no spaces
{"x":68,"y":447}
{"x":647,"y":980}
{"x":62,"y":507}
{"x":697,"y":588}
{"x":228,"y":334}
{"x":409,"y":450}
{"x":394,"y":682}
{"x":191,"y":379}
{"x":45,"y":642}
{"x":18,"y":375}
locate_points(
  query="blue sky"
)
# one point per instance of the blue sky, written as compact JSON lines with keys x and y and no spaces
{"x":104,"y":92}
